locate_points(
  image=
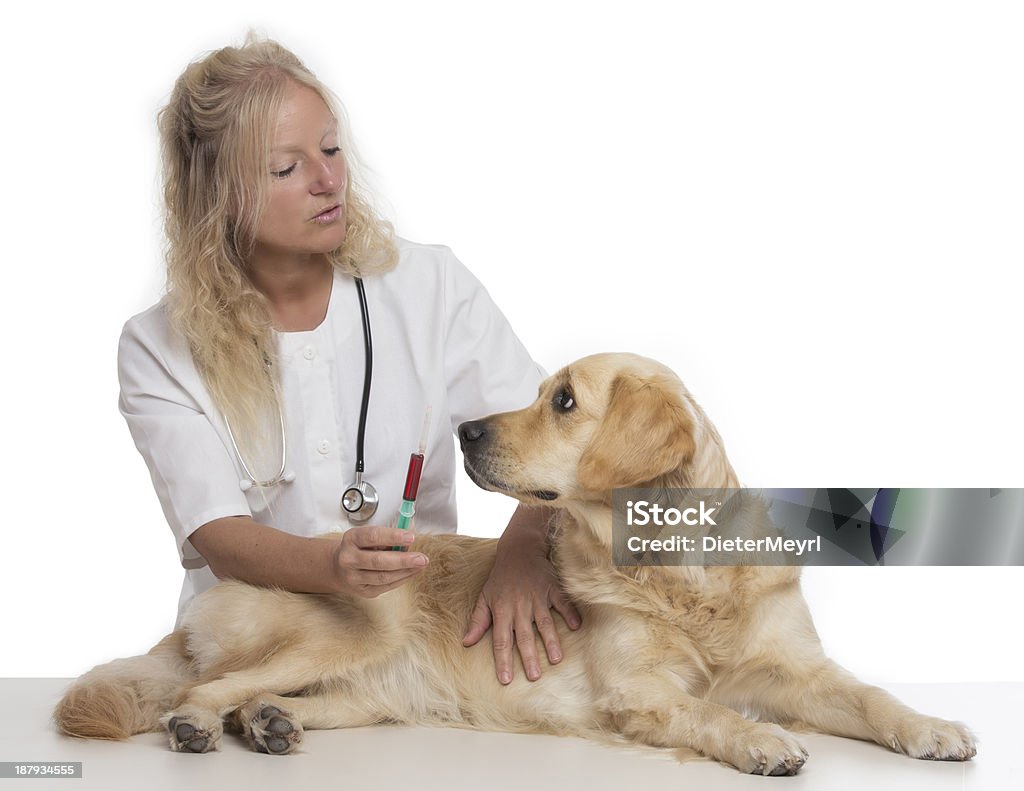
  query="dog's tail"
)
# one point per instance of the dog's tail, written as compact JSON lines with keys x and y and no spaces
{"x":126,"y":696}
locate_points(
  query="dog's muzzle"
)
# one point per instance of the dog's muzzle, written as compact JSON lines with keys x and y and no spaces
{"x":475,"y":439}
{"x":475,"y":442}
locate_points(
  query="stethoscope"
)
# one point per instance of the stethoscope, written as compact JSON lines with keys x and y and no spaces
{"x":360,"y":500}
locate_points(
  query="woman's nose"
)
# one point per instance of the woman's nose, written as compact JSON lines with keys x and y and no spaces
{"x":331,"y":177}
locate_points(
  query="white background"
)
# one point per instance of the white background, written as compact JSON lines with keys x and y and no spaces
{"x":810,"y":210}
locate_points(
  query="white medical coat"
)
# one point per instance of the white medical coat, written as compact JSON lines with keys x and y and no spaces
{"x":438,"y":340}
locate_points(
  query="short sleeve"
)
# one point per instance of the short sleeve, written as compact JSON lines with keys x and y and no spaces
{"x":194,"y":476}
{"x":487,"y":368}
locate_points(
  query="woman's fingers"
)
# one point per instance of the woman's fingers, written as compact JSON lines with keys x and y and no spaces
{"x":479,"y":622}
{"x":525,"y":642}
{"x":548,"y":633}
{"x":377,"y":537}
{"x":366,"y":564}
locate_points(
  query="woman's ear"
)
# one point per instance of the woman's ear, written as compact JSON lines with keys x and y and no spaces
{"x":645,"y":432}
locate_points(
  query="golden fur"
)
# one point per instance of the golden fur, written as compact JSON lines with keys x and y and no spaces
{"x":666,"y":656}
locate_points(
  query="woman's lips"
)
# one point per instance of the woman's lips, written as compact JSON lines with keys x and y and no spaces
{"x":328,"y":215}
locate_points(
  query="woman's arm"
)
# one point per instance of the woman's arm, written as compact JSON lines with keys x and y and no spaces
{"x":522,"y":589}
{"x":360,"y":563}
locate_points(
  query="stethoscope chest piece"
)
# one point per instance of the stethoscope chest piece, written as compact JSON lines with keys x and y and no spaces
{"x":360,"y":500}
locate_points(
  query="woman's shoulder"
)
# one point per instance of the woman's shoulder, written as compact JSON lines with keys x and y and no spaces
{"x":153,"y":329}
{"x":154,"y":314}
{"x":421,"y":255}
{"x":154,"y":321}
{"x":429,"y":265}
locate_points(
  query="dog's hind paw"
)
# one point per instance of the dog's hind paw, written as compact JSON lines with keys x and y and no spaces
{"x":270,"y":729}
{"x":192,"y":732}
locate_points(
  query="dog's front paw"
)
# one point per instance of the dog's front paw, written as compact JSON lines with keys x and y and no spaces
{"x":933,"y":739}
{"x":270,"y":729}
{"x":767,"y":749}
{"x":192,"y":731}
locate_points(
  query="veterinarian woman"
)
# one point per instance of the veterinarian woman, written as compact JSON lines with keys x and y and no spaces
{"x":243,"y":387}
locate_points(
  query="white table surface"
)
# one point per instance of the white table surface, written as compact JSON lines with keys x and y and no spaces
{"x":387,"y":757}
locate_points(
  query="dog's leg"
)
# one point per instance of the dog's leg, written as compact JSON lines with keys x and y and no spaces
{"x":269,"y":723}
{"x":713,"y":730}
{"x":195,"y":725}
{"x":192,"y":730}
{"x":274,"y":724}
{"x":831,"y":700}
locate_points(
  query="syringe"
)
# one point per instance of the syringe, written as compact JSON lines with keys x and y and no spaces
{"x":412,"y":480}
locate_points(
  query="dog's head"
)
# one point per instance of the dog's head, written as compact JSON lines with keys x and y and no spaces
{"x":604,"y":422}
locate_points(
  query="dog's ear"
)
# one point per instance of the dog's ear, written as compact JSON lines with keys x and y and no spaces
{"x":646,"y":432}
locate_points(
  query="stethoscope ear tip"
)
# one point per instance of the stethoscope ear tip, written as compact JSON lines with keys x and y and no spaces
{"x":245,"y":485}
{"x":289,"y":477}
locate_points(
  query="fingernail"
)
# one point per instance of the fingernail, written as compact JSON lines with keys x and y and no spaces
{"x":420,"y":560}
{"x":556,"y":656}
{"x":533,"y":672}
{"x":505,"y":677}
{"x":408,"y":538}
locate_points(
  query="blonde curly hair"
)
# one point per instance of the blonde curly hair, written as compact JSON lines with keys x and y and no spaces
{"x":216,"y":134}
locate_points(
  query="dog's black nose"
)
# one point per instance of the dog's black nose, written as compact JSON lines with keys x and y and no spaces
{"x":471,"y":431}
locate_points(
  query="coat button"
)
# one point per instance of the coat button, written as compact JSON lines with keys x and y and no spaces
{"x":323,"y":446}
{"x":309,"y":352}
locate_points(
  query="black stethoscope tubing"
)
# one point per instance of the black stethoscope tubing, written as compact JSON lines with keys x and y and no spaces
{"x":360,"y":500}
{"x":367,"y":374}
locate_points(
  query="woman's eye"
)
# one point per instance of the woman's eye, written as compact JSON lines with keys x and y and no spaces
{"x":332,"y":151}
{"x":280,"y":174}
{"x":564,"y":400}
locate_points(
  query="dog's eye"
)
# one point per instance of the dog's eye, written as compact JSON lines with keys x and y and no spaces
{"x":564,"y":400}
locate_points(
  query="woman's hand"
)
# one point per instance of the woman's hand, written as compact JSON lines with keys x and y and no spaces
{"x":359,"y":562}
{"x":522,"y":589}
{"x":365,"y":566}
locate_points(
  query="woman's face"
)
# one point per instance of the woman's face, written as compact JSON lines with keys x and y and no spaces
{"x":305,"y":210}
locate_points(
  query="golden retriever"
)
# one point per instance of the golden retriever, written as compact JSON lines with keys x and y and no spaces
{"x":666,"y":656}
